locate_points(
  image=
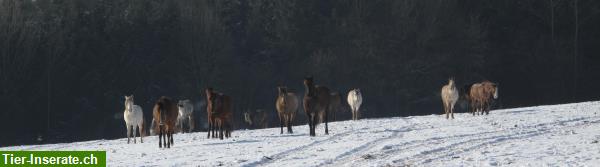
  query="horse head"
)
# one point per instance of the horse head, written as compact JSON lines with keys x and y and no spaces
{"x":308,"y":81}
{"x":309,"y":85}
{"x":128,"y":102}
{"x":282,"y":93}
{"x":356,"y":92}
{"x":451,"y":81}
{"x":210,"y":96}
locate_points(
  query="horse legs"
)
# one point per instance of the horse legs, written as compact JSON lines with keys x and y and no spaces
{"x":135,"y":128}
{"x":281,"y":120}
{"x":314,"y":123}
{"x":310,"y":123}
{"x":141,"y":127}
{"x":326,"y":120}
{"x":474,"y":107}
{"x":354,"y":113}
{"x":167,"y":135}
{"x":160,"y":134}
{"x":487,"y":108}
{"x":288,"y":122}
{"x":452,"y":110}
{"x":215,"y":128}
{"x":445,"y":108}
{"x":171,"y":134}
{"x":209,"y":127}
{"x":221,"y":129}
{"x":128,"y":132}
{"x":181,"y":125}
{"x":228,"y":129}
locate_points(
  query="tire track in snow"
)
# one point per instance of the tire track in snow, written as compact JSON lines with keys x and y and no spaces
{"x":274,"y":157}
{"x":342,"y":158}
{"x":345,"y":156}
{"x":395,"y":149}
{"x":464,"y":146}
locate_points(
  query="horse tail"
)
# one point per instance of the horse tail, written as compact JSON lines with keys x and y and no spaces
{"x":161,"y":110}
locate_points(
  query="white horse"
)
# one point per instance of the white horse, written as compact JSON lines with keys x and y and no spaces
{"x":186,"y":114}
{"x":449,"y":98}
{"x":134,"y":119}
{"x":355,"y":100}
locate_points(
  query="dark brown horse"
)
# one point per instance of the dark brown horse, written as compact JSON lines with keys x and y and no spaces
{"x":165,"y":116}
{"x":316,"y":102}
{"x":256,"y":119}
{"x":219,"y":113}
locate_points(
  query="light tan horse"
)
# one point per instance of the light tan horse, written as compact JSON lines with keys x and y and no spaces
{"x":165,"y":116}
{"x":287,"y":105}
{"x":481,"y":96}
{"x":449,"y":98}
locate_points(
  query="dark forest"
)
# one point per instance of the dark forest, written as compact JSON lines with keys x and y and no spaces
{"x":66,"y":65}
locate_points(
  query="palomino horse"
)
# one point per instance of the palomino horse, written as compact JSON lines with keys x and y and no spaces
{"x":287,"y":105}
{"x":219,"y":112}
{"x":449,"y":98}
{"x":316,"y":102}
{"x":186,"y":115}
{"x":256,"y":119}
{"x":481,"y":95}
{"x":134,"y":119}
{"x":165,"y":116}
{"x":355,"y":100}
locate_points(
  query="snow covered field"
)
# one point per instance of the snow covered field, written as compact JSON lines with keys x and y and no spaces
{"x":556,"y":135}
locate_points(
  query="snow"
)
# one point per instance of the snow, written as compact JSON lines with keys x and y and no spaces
{"x":555,"y":135}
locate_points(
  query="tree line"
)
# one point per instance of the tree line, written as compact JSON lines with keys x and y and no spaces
{"x":66,"y":65}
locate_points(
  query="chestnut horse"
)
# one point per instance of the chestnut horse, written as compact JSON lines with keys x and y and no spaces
{"x":449,"y":98}
{"x":287,"y":106}
{"x":165,"y":116}
{"x":316,"y":102}
{"x":481,"y":95}
{"x":219,"y":113}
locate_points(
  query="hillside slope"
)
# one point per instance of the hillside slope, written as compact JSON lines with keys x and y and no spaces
{"x":538,"y":136}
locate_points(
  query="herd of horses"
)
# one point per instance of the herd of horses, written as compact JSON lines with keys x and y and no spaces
{"x":319,"y":102}
{"x":479,"y":95}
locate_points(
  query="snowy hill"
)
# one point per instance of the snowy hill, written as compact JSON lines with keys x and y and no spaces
{"x":556,"y":135}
